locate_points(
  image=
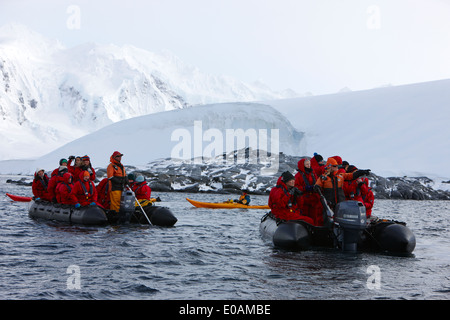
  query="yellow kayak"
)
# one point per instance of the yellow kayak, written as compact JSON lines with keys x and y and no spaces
{"x":223,"y":205}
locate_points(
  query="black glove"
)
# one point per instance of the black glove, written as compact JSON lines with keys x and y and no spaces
{"x":295,"y":192}
{"x":360,"y":173}
{"x":71,"y":157}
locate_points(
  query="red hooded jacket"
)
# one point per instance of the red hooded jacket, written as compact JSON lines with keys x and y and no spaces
{"x":284,"y":205}
{"x":103,"y":193}
{"x":359,"y":190}
{"x":142,"y":190}
{"x":56,"y":177}
{"x":318,"y":169}
{"x":64,"y":191}
{"x":309,"y":203}
{"x":84,"y":191}
{"x":40,"y":187}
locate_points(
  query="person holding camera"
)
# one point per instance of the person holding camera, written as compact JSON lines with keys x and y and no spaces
{"x":331,"y":182}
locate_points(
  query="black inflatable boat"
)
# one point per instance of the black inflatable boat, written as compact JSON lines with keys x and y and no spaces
{"x":95,"y":215}
{"x":90,"y":215}
{"x":158,"y":216}
{"x":349,"y":231}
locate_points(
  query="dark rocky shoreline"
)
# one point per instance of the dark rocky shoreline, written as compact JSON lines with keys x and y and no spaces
{"x":167,"y":175}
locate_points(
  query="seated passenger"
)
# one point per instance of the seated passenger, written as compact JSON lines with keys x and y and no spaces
{"x":317,"y":164}
{"x":141,"y":189}
{"x":103,"y":194}
{"x":75,"y":169}
{"x":64,"y":190}
{"x":359,"y":190}
{"x":54,"y":180}
{"x":331,"y":183}
{"x":309,"y":202}
{"x":87,"y":166}
{"x":85,"y":191}
{"x":283,"y":199}
{"x":40,"y":185}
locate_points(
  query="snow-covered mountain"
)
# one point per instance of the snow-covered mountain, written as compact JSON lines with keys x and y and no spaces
{"x":50,"y":95}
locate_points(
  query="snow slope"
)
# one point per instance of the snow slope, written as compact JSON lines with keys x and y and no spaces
{"x":394,"y":131}
{"x":164,"y":135}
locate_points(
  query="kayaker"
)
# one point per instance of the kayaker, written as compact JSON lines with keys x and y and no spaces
{"x":283,"y":199}
{"x":40,"y":185}
{"x":141,"y":189}
{"x":84,"y":190}
{"x":331,"y":182}
{"x":243,"y":199}
{"x":117,"y":180}
{"x":309,"y":202}
{"x":64,"y":190}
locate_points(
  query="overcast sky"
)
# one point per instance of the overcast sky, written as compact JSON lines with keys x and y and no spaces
{"x":317,"y":46}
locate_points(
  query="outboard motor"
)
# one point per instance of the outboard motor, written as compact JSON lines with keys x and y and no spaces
{"x":126,"y":206}
{"x":350,"y":219}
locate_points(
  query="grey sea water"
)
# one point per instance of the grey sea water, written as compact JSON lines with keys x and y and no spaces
{"x":212,"y":255}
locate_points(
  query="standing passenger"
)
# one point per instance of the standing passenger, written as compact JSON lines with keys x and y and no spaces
{"x":117,"y":180}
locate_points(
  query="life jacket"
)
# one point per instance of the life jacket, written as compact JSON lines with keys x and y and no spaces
{"x":116,"y":175}
{"x":332,"y":187}
{"x":91,"y":189}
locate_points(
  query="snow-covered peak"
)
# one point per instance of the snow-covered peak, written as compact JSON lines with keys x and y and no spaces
{"x":50,"y":95}
{"x":18,"y":38}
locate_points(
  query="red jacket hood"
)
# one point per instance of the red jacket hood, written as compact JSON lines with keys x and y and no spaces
{"x":281,"y":183}
{"x":301,"y":165}
{"x":66,"y":177}
{"x":338,"y":159}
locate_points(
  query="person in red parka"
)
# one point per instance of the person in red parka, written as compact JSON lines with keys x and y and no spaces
{"x":359,"y":190}
{"x":40,"y":185}
{"x":64,"y":190}
{"x":317,"y":164}
{"x":141,"y":189}
{"x":87,"y":166}
{"x":57,"y":177}
{"x":103,"y":194}
{"x":339,"y":162}
{"x":75,"y":169}
{"x":85,"y":191}
{"x":331,"y":182}
{"x":283,"y":199}
{"x":309,"y":202}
